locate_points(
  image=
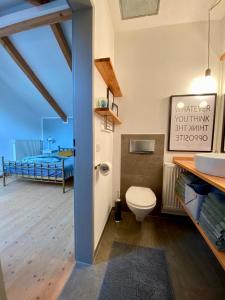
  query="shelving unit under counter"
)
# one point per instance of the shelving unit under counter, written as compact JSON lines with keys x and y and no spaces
{"x":219,"y":183}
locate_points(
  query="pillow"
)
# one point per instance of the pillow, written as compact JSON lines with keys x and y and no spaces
{"x":66,"y":153}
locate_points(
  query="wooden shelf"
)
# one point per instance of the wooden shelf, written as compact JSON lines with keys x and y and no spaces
{"x":109,"y":113}
{"x":219,"y":255}
{"x":105,"y":68}
{"x":189,"y":165}
{"x":222,"y":57}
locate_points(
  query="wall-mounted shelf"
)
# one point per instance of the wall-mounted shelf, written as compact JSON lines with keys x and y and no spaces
{"x":105,"y":112}
{"x":222,"y":57}
{"x":105,"y":68}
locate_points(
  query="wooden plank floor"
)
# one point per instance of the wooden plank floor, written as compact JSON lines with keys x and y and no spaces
{"x":36,"y":239}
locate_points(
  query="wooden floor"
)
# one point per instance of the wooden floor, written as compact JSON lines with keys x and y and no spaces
{"x":36,"y":239}
{"x":194,"y":271}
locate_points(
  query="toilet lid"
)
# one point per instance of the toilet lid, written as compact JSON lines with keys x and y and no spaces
{"x":140,"y":196}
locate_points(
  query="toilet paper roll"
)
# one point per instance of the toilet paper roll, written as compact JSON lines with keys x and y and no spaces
{"x":105,"y":168}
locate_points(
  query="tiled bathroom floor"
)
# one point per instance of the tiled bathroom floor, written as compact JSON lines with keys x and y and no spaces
{"x":194,"y":271}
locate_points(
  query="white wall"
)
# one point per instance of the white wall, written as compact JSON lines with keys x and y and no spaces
{"x":17,"y":121}
{"x":153,"y":64}
{"x":103,"y":47}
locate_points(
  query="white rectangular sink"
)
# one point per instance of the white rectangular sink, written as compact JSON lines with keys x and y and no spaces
{"x":210,"y":163}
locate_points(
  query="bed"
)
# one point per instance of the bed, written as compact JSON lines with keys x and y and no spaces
{"x":44,"y":168}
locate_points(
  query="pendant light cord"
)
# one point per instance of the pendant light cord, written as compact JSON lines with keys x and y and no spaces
{"x":209,"y":27}
{"x":209,"y":35}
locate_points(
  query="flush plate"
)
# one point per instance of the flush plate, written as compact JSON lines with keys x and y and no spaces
{"x":138,"y":8}
{"x":142,"y":146}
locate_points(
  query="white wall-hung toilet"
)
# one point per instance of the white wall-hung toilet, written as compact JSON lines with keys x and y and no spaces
{"x":141,"y":201}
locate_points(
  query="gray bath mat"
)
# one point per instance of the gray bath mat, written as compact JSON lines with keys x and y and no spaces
{"x":136,"y":273}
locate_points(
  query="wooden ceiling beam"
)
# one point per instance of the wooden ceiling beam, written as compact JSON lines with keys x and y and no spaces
{"x":59,"y":35}
{"x":20,"y":61}
{"x":38,"y":2}
{"x":20,"y":22}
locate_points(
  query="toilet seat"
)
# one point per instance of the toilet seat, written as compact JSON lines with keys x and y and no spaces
{"x":141,"y":207}
{"x":140,"y":197}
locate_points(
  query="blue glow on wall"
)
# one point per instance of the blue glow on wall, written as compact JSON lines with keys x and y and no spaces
{"x":60,"y":131}
{"x":17,"y":121}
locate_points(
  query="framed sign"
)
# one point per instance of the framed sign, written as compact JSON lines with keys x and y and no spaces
{"x":110,"y":98}
{"x":191,"y":122}
{"x":115,"y":109}
{"x":223,"y":129}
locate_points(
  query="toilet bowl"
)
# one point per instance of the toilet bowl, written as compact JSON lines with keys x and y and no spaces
{"x":141,"y":201}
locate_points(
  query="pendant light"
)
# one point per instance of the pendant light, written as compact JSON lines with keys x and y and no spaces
{"x":208,"y":70}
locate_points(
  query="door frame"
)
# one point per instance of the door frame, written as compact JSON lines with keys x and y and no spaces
{"x":82,"y":51}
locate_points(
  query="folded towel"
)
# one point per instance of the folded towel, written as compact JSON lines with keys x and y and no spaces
{"x":219,"y":243}
{"x":219,"y":237}
{"x":189,"y":178}
{"x":217,"y":217}
{"x":180,"y":194}
{"x":215,"y":229}
{"x":218,"y":200}
{"x":215,"y":210}
{"x":180,"y":190}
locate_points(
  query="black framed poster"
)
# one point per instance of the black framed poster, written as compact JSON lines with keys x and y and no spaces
{"x":191,"y":122}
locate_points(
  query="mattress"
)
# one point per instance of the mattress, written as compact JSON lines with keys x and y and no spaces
{"x":41,"y":166}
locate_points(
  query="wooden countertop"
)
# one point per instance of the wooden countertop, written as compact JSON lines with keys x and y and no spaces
{"x":187,"y":163}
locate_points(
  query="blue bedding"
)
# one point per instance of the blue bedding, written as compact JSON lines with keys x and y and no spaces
{"x":41,"y":166}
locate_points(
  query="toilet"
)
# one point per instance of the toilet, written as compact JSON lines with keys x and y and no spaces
{"x":141,"y":201}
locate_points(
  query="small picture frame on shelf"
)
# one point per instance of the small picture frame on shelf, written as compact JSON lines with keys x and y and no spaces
{"x":110,"y":98}
{"x":115,"y":109}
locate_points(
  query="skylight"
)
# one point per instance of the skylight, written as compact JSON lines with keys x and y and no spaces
{"x":138,"y":8}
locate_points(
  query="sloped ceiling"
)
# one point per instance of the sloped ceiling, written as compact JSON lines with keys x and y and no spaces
{"x":42,"y":52}
{"x":170,"y":12}
{"x":10,"y":6}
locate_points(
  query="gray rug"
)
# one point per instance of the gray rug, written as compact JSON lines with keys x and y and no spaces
{"x":136,"y":273}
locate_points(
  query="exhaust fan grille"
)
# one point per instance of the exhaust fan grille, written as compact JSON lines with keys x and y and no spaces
{"x":138,"y":8}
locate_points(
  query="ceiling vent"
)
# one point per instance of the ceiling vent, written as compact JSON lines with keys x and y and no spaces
{"x":138,"y":8}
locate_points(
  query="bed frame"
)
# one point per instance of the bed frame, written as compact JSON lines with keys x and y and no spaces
{"x":41,"y":178}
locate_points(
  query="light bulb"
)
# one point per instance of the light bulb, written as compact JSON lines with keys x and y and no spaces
{"x":203,"y":104}
{"x":204,"y":84}
{"x":180,"y":104}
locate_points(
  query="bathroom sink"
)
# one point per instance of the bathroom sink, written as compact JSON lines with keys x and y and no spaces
{"x":210,"y":163}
